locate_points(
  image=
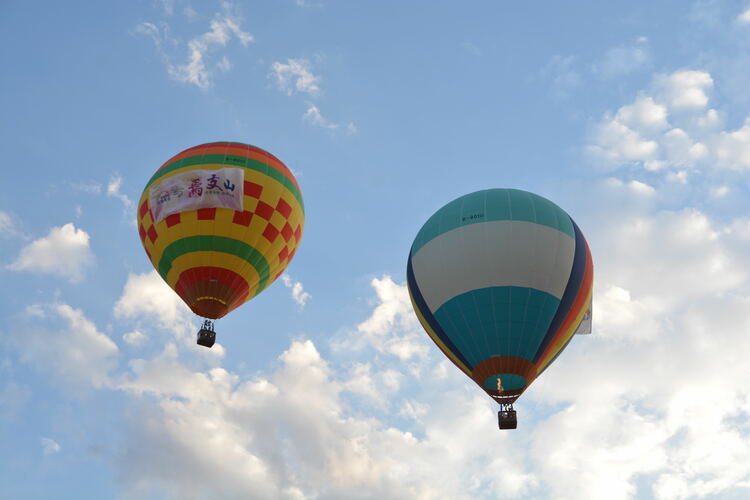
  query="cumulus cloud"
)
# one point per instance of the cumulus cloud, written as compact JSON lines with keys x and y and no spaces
{"x":666,"y":361}
{"x":223,"y":28}
{"x":147,"y":297}
{"x":392,"y":327}
{"x":299,"y":294}
{"x":662,"y":366}
{"x":671,"y":128}
{"x":732,"y":149}
{"x":134,"y":338}
{"x":66,"y":345}
{"x":63,"y":252}
{"x":290,"y":434}
{"x":295,"y":76}
{"x":685,"y":89}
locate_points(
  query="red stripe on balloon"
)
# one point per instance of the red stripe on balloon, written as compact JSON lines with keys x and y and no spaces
{"x":206,"y":274}
{"x":236,"y":149}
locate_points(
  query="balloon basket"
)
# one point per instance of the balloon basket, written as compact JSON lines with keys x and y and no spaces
{"x":506,"y":417}
{"x":207,"y":335}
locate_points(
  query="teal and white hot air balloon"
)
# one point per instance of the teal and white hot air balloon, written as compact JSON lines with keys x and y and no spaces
{"x":501,"y":279}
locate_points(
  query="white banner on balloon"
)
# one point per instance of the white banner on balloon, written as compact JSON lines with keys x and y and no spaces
{"x":585,"y":327}
{"x":222,"y":188}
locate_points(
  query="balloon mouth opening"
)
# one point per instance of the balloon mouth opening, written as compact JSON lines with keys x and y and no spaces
{"x":505,"y":382}
{"x":209,"y":307}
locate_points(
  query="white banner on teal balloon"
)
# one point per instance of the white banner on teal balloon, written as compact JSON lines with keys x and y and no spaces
{"x":585,"y":327}
{"x":221,"y":188}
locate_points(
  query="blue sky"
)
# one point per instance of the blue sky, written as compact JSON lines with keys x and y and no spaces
{"x":633,"y":117}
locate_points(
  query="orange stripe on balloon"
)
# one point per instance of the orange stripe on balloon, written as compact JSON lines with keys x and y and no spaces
{"x":235,"y":149}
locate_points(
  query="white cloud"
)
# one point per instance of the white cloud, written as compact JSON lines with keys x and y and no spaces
{"x":299,"y":294}
{"x":685,"y":89}
{"x":113,"y":189}
{"x":392,"y":327}
{"x":63,"y":252}
{"x":616,"y":143}
{"x":732,"y":149}
{"x":194,"y":71}
{"x":6,"y":223}
{"x":659,"y":250}
{"x":49,"y":446}
{"x":8,"y":226}
{"x":413,"y":409}
{"x":619,"y":316}
{"x":295,"y":76}
{"x":622,"y":60}
{"x":147,"y":296}
{"x":290,"y":434}
{"x":313,"y":116}
{"x":77,"y":355}
{"x":223,"y":28}
{"x":744,"y":18}
{"x":134,"y":338}
{"x":671,"y":129}
{"x":719,"y":191}
{"x":665,"y":363}
{"x":644,"y":114}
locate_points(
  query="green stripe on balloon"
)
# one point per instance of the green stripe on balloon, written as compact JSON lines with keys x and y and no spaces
{"x":216,"y":244}
{"x":230,"y":161}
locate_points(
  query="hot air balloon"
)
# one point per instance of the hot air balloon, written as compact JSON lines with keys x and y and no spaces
{"x":220,"y":222}
{"x":500,"y":280}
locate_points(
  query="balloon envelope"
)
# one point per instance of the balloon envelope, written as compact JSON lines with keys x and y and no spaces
{"x":220,"y":222}
{"x":500,"y":279}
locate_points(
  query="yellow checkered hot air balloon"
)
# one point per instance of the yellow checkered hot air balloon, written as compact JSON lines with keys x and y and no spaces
{"x":220,"y":222}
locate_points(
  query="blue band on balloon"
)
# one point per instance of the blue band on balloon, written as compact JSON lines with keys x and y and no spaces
{"x":571,"y":291}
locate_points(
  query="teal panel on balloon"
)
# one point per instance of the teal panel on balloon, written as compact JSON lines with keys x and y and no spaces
{"x":497,"y":321}
{"x":492,"y":205}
